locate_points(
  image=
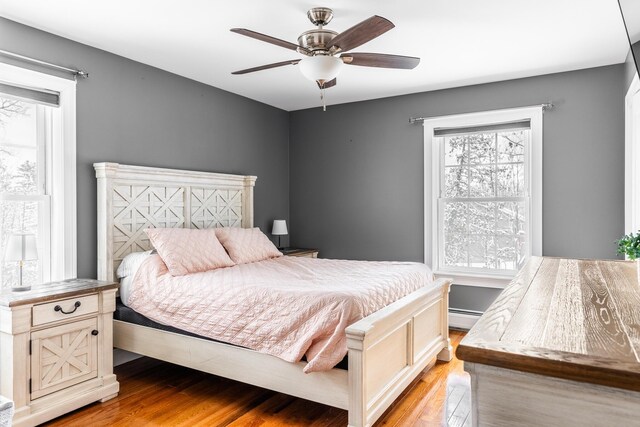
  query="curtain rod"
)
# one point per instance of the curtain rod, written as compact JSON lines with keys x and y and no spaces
{"x":546,"y":106}
{"x":75,"y":72}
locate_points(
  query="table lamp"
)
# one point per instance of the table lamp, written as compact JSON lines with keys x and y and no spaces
{"x":279,"y":229}
{"x":21,"y":248}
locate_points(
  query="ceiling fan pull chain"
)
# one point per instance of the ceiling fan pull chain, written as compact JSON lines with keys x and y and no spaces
{"x":324,"y":104}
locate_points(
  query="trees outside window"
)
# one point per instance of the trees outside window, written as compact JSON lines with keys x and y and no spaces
{"x":483,"y":200}
{"x":24,"y":204}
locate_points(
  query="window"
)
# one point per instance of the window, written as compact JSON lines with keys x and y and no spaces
{"x":632,"y":157}
{"x":485,"y":202}
{"x":37,"y":172}
{"x":24,"y":204}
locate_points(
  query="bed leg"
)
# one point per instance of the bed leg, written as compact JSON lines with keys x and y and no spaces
{"x":357,"y":403}
{"x":446,"y":354}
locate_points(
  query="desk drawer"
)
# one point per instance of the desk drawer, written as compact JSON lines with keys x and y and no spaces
{"x":64,"y":309}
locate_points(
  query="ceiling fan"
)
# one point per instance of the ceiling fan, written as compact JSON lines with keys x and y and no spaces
{"x":325,"y":50}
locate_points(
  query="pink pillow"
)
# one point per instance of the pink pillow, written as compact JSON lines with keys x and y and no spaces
{"x":187,"y":250}
{"x":247,"y":244}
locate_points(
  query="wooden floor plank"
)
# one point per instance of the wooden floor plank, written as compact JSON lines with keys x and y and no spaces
{"x":458,"y":400}
{"x":455,"y":395}
{"x":156,"y":393}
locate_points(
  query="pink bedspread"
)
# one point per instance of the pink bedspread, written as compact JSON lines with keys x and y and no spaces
{"x":287,"y":307}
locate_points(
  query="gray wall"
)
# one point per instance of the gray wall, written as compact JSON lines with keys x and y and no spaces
{"x":357,"y":189}
{"x":136,"y":114}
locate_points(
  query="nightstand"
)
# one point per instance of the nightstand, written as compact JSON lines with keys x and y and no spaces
{"x":56,"y":347}
{"x":301,"y":252}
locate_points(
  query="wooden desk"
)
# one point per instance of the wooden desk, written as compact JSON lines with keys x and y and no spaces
{"x":559,"y":346}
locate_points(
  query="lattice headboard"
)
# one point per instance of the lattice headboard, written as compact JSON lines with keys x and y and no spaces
{"x":132,"y":198}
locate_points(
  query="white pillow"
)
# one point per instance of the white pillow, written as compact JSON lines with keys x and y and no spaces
{"x":127,"y":272}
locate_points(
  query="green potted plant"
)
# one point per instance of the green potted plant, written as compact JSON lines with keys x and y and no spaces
{"x":629,"y":245}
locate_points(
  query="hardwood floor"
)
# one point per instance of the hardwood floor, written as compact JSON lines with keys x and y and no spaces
{"x":156,"y":393}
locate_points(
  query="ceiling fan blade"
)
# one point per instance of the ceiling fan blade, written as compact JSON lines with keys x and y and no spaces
{"x":361,"y":33}
{"x":327,"y":85}
{"x":269,"y":39}
{"x":266,"y":67}
{"x":381,"y":60}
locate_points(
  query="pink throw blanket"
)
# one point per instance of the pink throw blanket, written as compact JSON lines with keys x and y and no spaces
{"x":286,"y":307}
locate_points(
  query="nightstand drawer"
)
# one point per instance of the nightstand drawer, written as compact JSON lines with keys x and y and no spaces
{"x":64,"y":309}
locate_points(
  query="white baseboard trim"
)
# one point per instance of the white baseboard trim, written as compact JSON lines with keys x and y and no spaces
{"x":462,"y":320}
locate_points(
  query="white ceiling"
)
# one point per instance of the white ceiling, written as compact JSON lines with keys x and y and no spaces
{"x":461,"y":42}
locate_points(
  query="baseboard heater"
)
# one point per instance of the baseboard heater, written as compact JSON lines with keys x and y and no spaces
{"x":463,"y":319}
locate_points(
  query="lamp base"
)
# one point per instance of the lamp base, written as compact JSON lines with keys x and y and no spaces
{"x":20,"y":286}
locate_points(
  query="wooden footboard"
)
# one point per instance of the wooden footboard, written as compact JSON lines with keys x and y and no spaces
{"x":389,"y":348}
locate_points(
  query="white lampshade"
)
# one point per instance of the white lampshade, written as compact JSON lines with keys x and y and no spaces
{"x":279,"y":227}
{"x":321,"y":67}
{"x":21,"y":247}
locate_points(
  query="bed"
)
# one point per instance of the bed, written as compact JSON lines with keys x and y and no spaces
{"x":387,"y":349}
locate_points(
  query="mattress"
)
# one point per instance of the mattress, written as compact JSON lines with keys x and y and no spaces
{"x":129,"y":315}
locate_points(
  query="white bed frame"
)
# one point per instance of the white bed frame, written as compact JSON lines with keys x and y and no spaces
{"x":387,"y":350}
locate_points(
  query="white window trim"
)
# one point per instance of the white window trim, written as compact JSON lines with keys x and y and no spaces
{"x":432,"y":184}
{"x":631,"y":160}
{"x":61,"y":178}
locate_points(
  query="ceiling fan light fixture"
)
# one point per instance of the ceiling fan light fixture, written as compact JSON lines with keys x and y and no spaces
{"x":320,"y":68}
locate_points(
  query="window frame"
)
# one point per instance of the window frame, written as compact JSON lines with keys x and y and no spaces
{"x":632,"y":157}
{"x":433,"y":174}
{"x":60,"y":169}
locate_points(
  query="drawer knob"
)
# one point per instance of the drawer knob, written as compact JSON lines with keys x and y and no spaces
{"x":94,"y":332}
{"x":75,"y":307}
